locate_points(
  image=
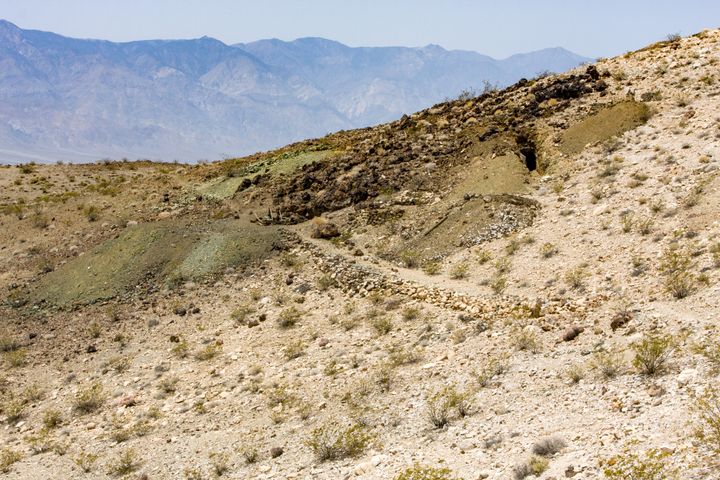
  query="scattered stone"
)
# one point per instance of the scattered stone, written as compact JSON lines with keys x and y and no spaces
{"x":572,"y":332}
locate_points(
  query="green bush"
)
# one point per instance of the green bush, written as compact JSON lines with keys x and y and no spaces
{"x":707,"y":428}
{"x":632,"y":466}
{"x":89,"y":399}
{"x":652,"y":353}
{"x":333,"y":442}
{"x":534,"y":466}
{"x":8,"y":458}
{"x":442,"y":403}
{"x":419,"y":472}
{"x":289,"y":317}
{"x":675,"y":266}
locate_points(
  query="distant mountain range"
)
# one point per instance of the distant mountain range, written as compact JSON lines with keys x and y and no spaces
{"x":84,"y":100}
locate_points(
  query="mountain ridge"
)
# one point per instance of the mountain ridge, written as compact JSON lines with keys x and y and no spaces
{"x":203,"y":99}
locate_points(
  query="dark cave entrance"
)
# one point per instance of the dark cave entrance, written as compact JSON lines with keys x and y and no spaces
{"x":526,"y":147}
{"x":530,"y":158}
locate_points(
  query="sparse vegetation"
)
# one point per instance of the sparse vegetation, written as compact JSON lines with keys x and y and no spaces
{"x":126,"y":462}
{"x":459,"y":271}
{"x":707,"y":426}
{"x":442,"y":404}
{"x":8,"y":458}
{"x":576,"y":277}
{"x":209,"y":351}
{"x":548,"y":447}
{"x":420,"y":472}
{"x":608,"y":364}
{"x":333,"y":441}
{"x":494,"y":367}
{"x":526,"y":339}
{"x":289,"y":317}
{"x":89,"y":399}
{"x":652,"y":353}
{"x":86,"y":461}
{"x":548,"y":250}
{"x":382,"y":325}
{"x":184,"y":311}
{"x":534,"y":466}
{"x":652,"y":465}
{"x":52,"y":419}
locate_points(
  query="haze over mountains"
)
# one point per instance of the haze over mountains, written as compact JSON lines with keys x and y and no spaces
{"x":83,"y":100}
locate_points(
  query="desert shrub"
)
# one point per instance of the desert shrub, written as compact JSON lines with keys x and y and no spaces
{"x":711,"y":351}
{"x":653,"y":465}
{"x":498,"y":283}
{"x":657,"y":205}
{"x":8,"y":458}
{"x":439,"y":408}
{"x":459,"y":271}
{"x":191,"y":473}
{"x":652,"y":353}
{"x":294,"y":349}
{"x":208,"y":352}
{"x":707,"y":426}
{"x":420,"y":472}
{"x":525,"y":339}
{"x":441,"y":404}
{"x":249,"y":454}
{"x":86,"y":461}
{"x":483,"y":256}
{"x":13,"y":408}
{"x":289,"y":317}
{"x":40,"y":220}
{"x":52,"y":419}
{"x":126,"y":462}
{"x":92,"y":213}
{"x":548,"y":447}
{"x":411,"y":313}
{"x":512,"y":246}
{"x":675,"y":266}
{"x":240,"y":314}
{"x":382,"y":325}
{"x":8,"y":344}
{"x":400,"y":355}
{"x":181,"y":349}
{"x":575,"y":373}
{"x":15,"y":358}
{"x":431,"y":268}
{"x":608,"y":364}
{"x":627,"y":221}
{"x":502,"y":265}
{"x":644,"y":225}
{"x":494,"y":367}
{"x":715,"y":254}
{"x":534,"y":466}
{"x":409,"y":258}
{"x":89,"y":399}
{"x":548,"y":250}
{"x":334,"y":442}
{"x":576,"y":277}
{"x":682,"y":100}
{"x":291,"y":260}
{"x":220,"y":462}
{"x":168,"y":385}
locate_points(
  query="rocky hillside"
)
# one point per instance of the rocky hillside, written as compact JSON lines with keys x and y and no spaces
{"x":518,"y":285}
{"x":84,"y":100}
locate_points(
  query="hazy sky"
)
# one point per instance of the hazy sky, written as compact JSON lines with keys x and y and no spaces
{"x":498,"y":28}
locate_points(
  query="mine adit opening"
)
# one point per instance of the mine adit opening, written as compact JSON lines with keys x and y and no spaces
{"x":527,"y":150}
{"x":530,"y":158}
